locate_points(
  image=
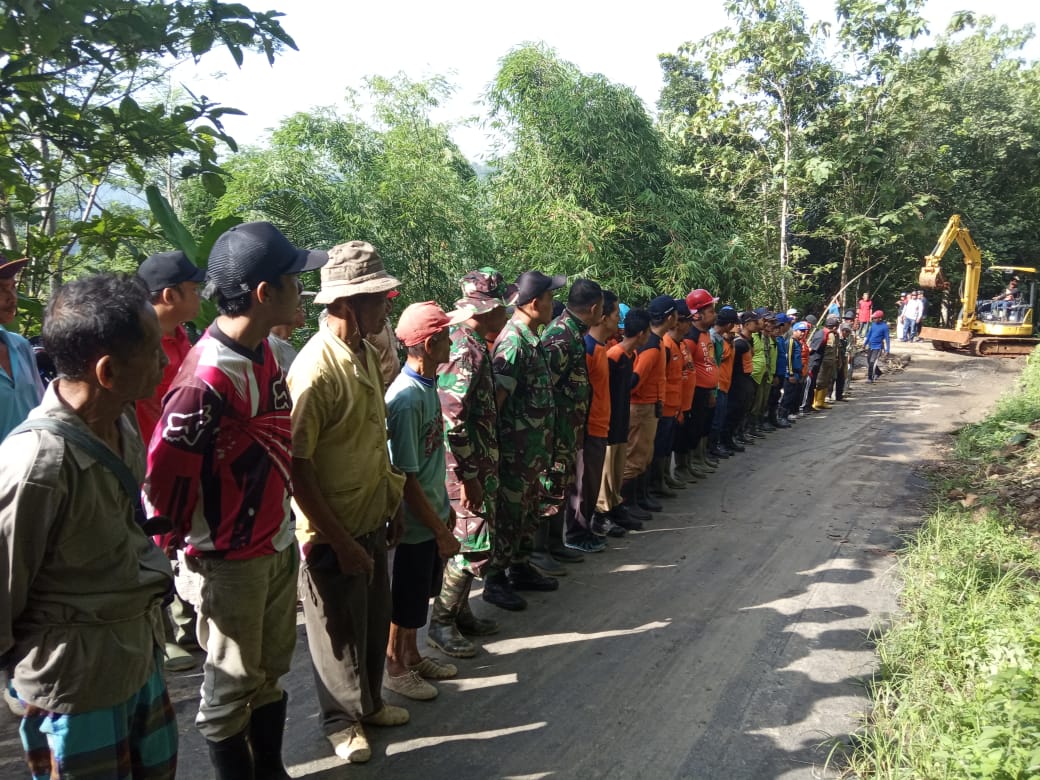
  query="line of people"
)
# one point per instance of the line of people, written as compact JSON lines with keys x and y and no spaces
{"x":508,"y":445}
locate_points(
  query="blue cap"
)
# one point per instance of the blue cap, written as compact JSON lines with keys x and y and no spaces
{"x":782,"y":319}
{"x":803,"y":325}
{"x":762,"y":311}
{"x":683,"y":309}
{"x":624,"y":308}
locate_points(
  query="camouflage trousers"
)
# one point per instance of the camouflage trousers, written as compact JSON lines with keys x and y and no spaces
{"x":475,"y":530}
{"x":516,"y":511}
{"x":560,"y":474}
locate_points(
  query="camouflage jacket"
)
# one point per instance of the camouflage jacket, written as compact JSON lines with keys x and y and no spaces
{"x":525,"y":421}
{"x":466,"y":388}
{"x":564,"y":344}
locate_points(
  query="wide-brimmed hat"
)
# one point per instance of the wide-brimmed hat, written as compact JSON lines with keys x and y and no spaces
{"x":354,"y":268}
{"x":483,"y":290}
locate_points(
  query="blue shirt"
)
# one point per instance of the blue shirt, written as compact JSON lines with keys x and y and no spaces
{"x":877,"y":336}
{"x":22,"y":391}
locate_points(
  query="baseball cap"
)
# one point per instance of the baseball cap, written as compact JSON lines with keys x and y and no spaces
{"x":683,"y":310}
{"x":832,"y":320}
{"x":782,"y":319}
{"x":803,"y":325}
{"x":419,"y":321}
{"x":727,"y":315}
{"x":792,"y":312}
{"x":10,"y":268}
{"x":811,"y":319}
{"x":531,"y":284}
{"x":253,"y":252}
{"x":168,"y":269}
{"x":661,"y":306}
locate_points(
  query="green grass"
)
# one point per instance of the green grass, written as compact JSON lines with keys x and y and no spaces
{"x":958,"y":692}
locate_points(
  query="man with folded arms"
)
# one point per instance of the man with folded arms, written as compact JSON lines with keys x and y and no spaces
{"x":345,"y":511}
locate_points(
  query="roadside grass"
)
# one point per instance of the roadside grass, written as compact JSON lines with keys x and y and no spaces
{"x":958,"y":691}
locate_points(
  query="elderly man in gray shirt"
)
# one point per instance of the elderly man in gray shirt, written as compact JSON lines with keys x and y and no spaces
{"x":81,"y":583}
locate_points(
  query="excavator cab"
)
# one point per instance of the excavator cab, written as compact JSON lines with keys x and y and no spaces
{"x":1007,"y":295}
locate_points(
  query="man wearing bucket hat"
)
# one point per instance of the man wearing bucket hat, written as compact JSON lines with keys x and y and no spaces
{"x":232,"y":513}
{"x":466,"y":387}
{"x":526,"y":411}
{"x":346,"y":516}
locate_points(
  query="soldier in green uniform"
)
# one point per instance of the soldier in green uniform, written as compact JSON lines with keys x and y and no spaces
{"x":524,"y":396}
{"x":564,"y":344}
{"x":466,"y":387}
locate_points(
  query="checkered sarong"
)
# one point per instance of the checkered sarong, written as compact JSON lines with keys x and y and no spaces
{"x":136,"y":739}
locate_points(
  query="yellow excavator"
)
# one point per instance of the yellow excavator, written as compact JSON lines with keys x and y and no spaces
{"x":1001,"y":325}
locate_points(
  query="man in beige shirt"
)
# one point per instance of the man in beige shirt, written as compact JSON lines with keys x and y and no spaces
{"x":81,"y":584}
{"x":347,"y":499}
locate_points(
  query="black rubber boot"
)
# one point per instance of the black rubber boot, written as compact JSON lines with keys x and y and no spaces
{"x":232,"y":758}
{"x":727,"y":439}
{"x":266,"y":729}
{"x":645,"y":500}
{"x":716,"y":448}
{"x":442,"y":632}
{"x":630,"y":502}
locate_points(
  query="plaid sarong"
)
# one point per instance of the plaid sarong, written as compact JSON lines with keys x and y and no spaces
{"x":136,"y":739}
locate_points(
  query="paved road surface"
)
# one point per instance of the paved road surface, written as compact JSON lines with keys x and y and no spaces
{"x":728,"y":640}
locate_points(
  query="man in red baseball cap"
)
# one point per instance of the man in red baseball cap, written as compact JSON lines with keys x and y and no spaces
{"x":416,"y":429}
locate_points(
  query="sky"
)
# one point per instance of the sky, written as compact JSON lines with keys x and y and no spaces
{"x":463,"y":40}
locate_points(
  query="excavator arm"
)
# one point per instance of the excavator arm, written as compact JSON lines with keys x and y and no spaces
{"x":931,"y":276}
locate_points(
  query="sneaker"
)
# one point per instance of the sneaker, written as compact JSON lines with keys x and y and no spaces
{"x":410,"y":685}
{"x":589,"y":544}
{"x":547,"y":565}
{"x":351,"y":744}
{"x":387,"y":715}
{"x":523,"y":576}
{"x":431,"y":669}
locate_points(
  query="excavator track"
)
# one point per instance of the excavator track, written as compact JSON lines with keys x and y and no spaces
{"x":1002,"y":347}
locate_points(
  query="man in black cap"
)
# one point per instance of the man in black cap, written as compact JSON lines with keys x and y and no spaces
{"x":647,"y":405}
{"x":173,"y":283}
{"x":526,"y":409}
{"x":231,"y":513}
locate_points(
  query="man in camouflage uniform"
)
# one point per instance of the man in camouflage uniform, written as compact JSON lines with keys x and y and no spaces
{"x":466,"y":387}
{"x":564,"y":345}
{"x":524,"y":396}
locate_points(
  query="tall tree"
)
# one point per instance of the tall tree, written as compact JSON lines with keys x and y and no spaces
{"x":75,"y":82}
{"x":767,"y":79}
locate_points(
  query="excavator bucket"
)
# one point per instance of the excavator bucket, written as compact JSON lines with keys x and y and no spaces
{"x":931,"y":276}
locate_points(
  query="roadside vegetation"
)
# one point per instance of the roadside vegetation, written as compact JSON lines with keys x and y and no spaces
{"x":958,"y":694}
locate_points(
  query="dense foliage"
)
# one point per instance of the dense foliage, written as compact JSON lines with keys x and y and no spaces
{"x":787,"y":158}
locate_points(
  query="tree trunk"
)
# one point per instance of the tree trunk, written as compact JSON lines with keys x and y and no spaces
{"x":846,"y":264}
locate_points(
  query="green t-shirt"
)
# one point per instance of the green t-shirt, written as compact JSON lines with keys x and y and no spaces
{"x":413,"y":419}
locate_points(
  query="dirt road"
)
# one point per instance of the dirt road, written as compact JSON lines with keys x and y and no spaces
{"x":728,"y":640}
